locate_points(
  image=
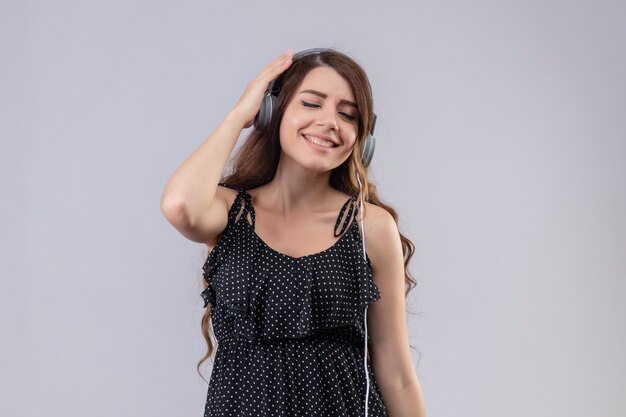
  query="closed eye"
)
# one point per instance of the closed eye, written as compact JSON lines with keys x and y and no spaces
{"x":345,"y":115}
{"x":305,"y":104}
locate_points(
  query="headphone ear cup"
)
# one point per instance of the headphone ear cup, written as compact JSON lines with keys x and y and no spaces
{"x":264,"y":116}
{"x":368,"y":150}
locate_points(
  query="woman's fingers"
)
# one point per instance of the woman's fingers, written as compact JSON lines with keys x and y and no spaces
{"x":250,"y":101}
{"x":277,"y":66}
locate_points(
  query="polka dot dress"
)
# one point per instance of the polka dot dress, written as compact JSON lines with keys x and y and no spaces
{"x":290,"y":331}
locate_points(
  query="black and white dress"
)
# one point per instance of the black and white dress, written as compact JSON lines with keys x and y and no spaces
{"x":290,"y":331}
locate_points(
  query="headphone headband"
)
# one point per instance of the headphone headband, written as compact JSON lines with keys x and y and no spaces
{"x":312,"y":51}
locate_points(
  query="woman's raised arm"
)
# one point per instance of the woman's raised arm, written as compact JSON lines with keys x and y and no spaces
{"x":190,"y":200}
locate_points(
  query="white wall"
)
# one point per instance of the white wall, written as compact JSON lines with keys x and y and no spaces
{"x":501,"y":142}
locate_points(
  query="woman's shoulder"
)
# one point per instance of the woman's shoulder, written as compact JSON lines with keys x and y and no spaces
{"x":376,"y":219}
{"x":227,"y":192}
{"x":383,"y":241}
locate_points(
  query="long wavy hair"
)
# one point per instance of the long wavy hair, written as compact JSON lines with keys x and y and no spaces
{"x":256,"y":161}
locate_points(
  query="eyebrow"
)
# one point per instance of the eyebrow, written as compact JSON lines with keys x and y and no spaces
{"x":322,"y":95}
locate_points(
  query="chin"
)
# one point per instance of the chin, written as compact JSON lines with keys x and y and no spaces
{"x":320,"y":166}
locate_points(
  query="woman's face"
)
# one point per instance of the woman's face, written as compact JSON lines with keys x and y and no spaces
{"x":322,"y":109}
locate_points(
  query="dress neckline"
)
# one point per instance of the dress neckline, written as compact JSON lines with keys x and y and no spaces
{"x":346,"y":230}
{"x":296,"y":258}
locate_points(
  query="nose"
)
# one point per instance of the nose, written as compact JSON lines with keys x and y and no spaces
{"x":327,"y":117}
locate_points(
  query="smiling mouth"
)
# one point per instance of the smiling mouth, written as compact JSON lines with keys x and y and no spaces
{"x":319,"y":142}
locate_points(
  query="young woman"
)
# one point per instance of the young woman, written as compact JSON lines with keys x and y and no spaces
{"x":308,"y":316}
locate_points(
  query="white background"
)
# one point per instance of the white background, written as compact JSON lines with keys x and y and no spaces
{"x":501,"y":143}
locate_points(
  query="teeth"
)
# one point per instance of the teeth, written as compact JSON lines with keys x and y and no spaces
{"x":320,"y":142}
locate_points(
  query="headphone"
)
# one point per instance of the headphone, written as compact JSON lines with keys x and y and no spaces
{"x":264,"y":116}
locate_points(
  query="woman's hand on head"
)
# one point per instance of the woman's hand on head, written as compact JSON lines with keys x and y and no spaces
{"x":250,"y":101}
